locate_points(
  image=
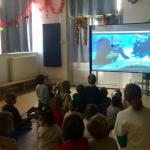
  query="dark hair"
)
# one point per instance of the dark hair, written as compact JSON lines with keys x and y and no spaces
{"x":116,"y":101}
{"x":65,"y":86}
{"x":40,"y":79}
{"x":90,"y":110}
{"x":6,"y":123}
{"x":73,"y":105}
{"x":98,"y":126}
{"x":133,"y":95}
{"x":92,"y":79}
{"x":47,"y":117}
{"x":117,"y":92}
{"x":73,"y":127}
{"x":9,"y":97}
{"x":103,"y":92}
{"x":56,"y":102}
{"x":80,"y":88}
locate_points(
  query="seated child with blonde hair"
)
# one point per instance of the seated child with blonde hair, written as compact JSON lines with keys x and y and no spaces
{"x":6,"y":126}
{"x":98,"y":128}
{"x":49,"y":133}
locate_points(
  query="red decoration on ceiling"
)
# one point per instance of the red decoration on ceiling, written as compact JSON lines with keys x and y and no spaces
{"x":133,"y":1}
{"x":48,"y":6}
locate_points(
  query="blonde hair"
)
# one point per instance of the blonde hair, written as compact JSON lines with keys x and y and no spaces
{"x":6,"y":123}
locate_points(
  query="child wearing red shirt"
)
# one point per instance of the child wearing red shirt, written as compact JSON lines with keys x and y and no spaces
{"x":73,"y":129}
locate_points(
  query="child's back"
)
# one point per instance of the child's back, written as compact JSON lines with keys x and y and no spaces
{"x":98,"y":128}
{"x":16,"y":116}
{"x":49,"y":137}
{"x":5,"y":127}
{"x":81,"y":144}
{"x":18,"y":122}
{"x":49,"y":134}
{"x":73,"y":129}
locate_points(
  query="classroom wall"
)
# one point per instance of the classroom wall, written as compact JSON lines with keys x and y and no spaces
{"x":138,"y":12}
{"x":54,"y":73}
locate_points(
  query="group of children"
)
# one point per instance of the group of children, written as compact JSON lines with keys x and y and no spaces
{"x":62,"y":122}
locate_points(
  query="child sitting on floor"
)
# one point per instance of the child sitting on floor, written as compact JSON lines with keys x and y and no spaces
{"x":6,"y":126}
{"x":73,"y":129}
{"x":49,"y":134}
{"x":56,"y":107}
{"x":18,"y":122}
{"x":98,"y":128}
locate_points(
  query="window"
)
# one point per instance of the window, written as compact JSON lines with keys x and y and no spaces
{"x":15,"y":26}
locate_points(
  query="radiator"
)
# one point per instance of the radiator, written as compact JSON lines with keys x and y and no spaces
{"x":22,"y":67}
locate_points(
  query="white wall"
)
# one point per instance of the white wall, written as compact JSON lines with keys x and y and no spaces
{"x":55,"y":73}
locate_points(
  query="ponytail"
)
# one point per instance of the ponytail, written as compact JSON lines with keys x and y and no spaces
{"x":137,"y":104}
{"x":133,"y":95}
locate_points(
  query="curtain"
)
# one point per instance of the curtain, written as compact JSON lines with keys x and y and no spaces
{"x":15,"y":38}
{"x":91,"y":7}
{"x":79,"y":51}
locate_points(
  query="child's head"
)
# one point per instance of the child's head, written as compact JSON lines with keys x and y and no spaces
{"x":98,"y":126}
{"x":133,"y":96}
{"x":46,"y":118}
{"x":90,"y":110}
{"x":73,"y":106}
{"x":117,"y":92}
{"x":40,"y":79}
{"x":73,"y":127}
{"x":65,"y":86}
{"x":80,"y":88}
{"x":116,"y":101}
{"x":103,"y":92}
{"x":6,"y":123}
{"x":10,"y":98}
{"x":92,"y":79}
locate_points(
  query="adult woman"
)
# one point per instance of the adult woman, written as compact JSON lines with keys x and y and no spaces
{"x":132,"y":124}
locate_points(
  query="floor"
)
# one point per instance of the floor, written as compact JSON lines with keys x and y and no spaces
{"x":28,"y":141}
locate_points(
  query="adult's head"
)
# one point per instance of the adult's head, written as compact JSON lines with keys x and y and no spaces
{"x":103,"y":92}
{"x":98,"y":126}
{"x":92,"y":79}
{"x":133,"y":96}
{"x":73,"y":127}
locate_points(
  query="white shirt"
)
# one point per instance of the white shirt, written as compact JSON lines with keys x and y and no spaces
{"x":136,"y":125}
{"x":42,"y":93}
{"x":49,"y":138}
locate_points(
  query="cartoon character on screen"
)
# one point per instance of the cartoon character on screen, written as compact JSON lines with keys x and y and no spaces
{"x":117,"y":46}
{"x":104,"y":52}
{"x":141,"y":47}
